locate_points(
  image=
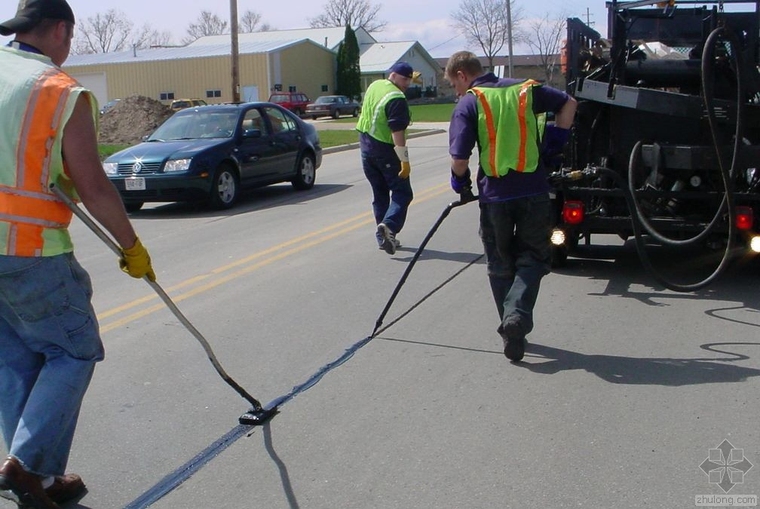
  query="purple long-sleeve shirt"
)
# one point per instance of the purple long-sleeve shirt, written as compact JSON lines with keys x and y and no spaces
{"x":463,"y":137}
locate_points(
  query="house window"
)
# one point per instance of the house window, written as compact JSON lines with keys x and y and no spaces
{"x":166,"y":96}
{"x":292,"y":88}
{"x":213,"y":93}
{"x":324,"y":88}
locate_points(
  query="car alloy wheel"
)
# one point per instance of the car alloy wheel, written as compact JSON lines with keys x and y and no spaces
{"x":224,"y":189}
{"x":305,"y":173}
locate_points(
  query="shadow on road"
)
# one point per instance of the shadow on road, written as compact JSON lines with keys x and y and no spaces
{"x":249,"y":201}
{"x":642,"y":371}
{"x":626,"y":277}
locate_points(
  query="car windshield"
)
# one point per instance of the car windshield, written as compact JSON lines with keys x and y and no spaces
{"x":326,"y":100}
{"x":194,"y":124}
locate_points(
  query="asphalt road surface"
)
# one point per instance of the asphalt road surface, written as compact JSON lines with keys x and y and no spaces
{"x":626,"y":390}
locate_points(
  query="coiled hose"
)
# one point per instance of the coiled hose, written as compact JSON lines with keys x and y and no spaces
{"x":638,"y":218}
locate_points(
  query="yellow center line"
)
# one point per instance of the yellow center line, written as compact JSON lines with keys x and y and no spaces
{"x":322,"y":236}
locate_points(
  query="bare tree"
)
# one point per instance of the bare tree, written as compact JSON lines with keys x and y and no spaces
{"x":354,"y":13}
{"x":545,"y":40}
{"x":160,"y":39}
{"x":112,"y":31}
{"x":249,"y":22}
{"x":206,"y":24}
{"x":485,"y":23}
{"x":103,"y":33}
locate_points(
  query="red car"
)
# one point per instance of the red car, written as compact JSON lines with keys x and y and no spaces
{"x":293,"y":101}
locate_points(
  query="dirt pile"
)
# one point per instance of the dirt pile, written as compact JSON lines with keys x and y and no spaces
{"x":132,"y":118}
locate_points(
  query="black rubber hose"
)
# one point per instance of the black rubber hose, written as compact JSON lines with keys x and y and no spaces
{"x":633,"y":163}
{"x":642,"y":250}
{"x":637,"y":217}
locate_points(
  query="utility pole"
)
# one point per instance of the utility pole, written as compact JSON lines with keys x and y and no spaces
{"x":509,"y":35}
{"x":588,"y":18}
{"x":235,"y":52}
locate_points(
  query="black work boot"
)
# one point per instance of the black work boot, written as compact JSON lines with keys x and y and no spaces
{"x":514,"y":341}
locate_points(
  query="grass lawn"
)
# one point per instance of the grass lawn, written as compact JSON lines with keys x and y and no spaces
{"x":107,"y":150}
{"x":420,"y":113}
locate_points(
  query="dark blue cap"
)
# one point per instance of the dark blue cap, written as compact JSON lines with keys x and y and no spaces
{"x":403,"y":69}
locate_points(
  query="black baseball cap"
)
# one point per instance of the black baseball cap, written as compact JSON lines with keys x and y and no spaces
{"x":31,"y":12}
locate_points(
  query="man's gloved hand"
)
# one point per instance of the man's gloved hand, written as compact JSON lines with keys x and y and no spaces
{"x":403,"y":156}
{"x":461,"y":184}
{"x":135,"y":261}
{"x":554,"y":142}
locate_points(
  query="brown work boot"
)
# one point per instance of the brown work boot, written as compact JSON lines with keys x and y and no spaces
{"x":26,"y":486}
{"x":65,"y":487}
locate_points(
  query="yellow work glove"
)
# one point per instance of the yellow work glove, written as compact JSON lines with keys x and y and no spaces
{"x":403,"y":156}
{"x":135,"y":261}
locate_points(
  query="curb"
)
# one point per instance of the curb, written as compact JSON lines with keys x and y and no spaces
{"x":341,"y":148}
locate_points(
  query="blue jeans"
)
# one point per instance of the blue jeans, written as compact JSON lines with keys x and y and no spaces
{"x":391,"y":195}
{"x":515,"y":237}
{"x":49,"y":344}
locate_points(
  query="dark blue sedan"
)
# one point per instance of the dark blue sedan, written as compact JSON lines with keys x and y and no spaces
{"x":210,"y":153}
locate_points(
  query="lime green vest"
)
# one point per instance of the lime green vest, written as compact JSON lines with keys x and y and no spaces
{"x":37,"y":100}
{"x":508,"y":130}
{"x":373,"y":120}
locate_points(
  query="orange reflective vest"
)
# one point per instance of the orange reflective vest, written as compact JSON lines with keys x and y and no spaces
{"x":508,"y":130}
{"x":37,"y":99}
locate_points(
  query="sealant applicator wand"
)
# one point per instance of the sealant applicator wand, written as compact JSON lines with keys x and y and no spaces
{"x":257,"y":414}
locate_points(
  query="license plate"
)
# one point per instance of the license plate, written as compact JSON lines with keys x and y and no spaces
{"x":135,"y":184}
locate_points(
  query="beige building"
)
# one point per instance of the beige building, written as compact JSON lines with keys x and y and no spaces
{"x":205,"y":71}
{"x":301,"y":60}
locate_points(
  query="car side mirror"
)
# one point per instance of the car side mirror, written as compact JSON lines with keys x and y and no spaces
{"x":252,"y":133}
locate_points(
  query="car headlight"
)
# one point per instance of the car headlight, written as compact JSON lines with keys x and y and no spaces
{"x":111,"y":168}
{"x":177,"y":165}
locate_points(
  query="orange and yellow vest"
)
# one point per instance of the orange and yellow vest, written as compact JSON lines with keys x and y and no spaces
{"x":508,"y":130}
{"x":37,"y":99}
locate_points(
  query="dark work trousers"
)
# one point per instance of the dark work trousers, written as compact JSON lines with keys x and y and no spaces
{"x":391,"y":195}
{"x":515,"y":237}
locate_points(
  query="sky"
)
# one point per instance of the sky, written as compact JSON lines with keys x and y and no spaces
{"x":426,"y":21}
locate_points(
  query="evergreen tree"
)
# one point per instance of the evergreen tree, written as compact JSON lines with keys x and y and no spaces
{"x":349,"y":72}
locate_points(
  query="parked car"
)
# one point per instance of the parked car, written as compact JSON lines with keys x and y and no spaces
{"x":211,"y":153}
{"x":107,"y":106}
{"x":293,"y":101}
{"x":332,"y":106}
{"x":181,"y":104}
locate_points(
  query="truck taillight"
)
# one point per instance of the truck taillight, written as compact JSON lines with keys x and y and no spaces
{"x":572,"y":212}
{"x":744,"y":218}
